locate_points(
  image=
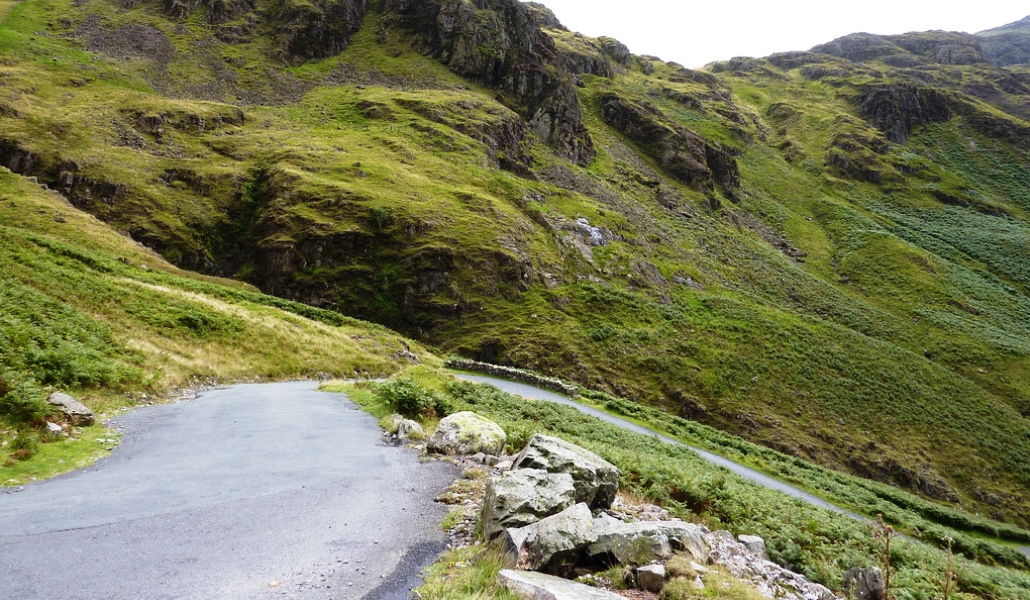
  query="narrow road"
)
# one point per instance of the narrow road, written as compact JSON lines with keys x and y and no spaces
{"x":250,"y":492}
{"x":535,"y":393}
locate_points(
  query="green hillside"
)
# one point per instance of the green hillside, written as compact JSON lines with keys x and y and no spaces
{"x":86,"y":310}
{"x":825,"y":253}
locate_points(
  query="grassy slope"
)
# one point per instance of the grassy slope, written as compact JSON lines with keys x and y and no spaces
{"x":896,"y":350}
{"x":87,"y":310}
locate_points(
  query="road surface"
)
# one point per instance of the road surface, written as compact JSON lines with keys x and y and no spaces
{"x":250,"y":492}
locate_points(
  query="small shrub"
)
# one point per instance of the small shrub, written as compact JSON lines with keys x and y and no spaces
{"x":23,"y":404}
{"x":412,"y":400}
{"x":24,"y":446}
{"x":518,"y":437}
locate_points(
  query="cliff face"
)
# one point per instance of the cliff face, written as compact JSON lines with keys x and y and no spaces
{"x":825,"y":251}
{"x":500,"y":43}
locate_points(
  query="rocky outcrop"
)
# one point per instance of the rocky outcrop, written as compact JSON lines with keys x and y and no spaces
{"x":596,"y":480}
{"x":1008,"y":45}
{"x":500,"y":43}
{"x":538,"y":586}
{"x":314,"y":29}
{"x":680,"y":152}
{"x":72,"y":409}
{"x":523,"y":497}
{"x":898,"y":109}
{"x":467,"y":433}
{"x":936,"y":47}
{"x":501,"y":131}
{"x":864,"y":584}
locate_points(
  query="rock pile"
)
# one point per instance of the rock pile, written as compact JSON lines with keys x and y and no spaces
{"x":553,"y":511}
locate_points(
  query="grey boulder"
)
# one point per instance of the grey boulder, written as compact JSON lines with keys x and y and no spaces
{"x":552,"y":543}
{"x":72,"y":409}
{"x":538,"y":586}
{"x":467,"y":433}
{"x":523,"y":497}
{"x":864,"y":584}
{"x":596,"y":480}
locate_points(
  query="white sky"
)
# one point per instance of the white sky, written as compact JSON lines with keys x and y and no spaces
{"x":697,"y":32}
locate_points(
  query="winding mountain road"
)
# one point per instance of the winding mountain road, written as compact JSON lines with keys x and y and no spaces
{"x":535,"y":393}
{"x":250,"y":492}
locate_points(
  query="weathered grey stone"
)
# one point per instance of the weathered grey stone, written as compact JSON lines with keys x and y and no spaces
{"x":596,"y":480}
{"x":71,"y":408}
{"x":520,"y":498}
{"x":651,"y":578}
{"x":467,"y":433}
{"x":538,"y":586}
{"x":391,"y":423}
{"x":644,"y":542}
{"x":864,"y":583}
{"x":755,"y":545}
{"x":551,"y":543}
{"x":54,"y":428}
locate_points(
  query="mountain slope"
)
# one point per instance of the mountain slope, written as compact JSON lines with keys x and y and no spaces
{"x":823,"y":253}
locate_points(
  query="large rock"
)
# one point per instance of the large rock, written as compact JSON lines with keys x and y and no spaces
{"x":596,"y":480}
{"x":538,"y":586}
{"x":645,"y":542}
{"x":523,"y":497}
{"x":72,"y":409}
{"x":864,"y":584}
{"x":467,"y":433}
{"x":552,"y":544}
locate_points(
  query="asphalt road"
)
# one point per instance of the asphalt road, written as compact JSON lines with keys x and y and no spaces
{"x":535,"y":393}
{"x":255,"y":491}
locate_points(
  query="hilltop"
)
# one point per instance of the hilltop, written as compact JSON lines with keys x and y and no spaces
{"x":824,"y":252}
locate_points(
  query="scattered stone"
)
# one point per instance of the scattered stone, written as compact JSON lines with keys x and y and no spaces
{"x":54,"y":428}
{"x":771,"y":580}
{"x":486,"y":459}
{"x":596,"y":480}
{"x":391,"y":423}
{"x":520,"y":498}
{"x":864,"y":584}
{"x":651,"y":578}
{"x":410,"y":429}
{"x":538,"y":586}
{"x":71,"y":408}
{"x":755,"y":544}
{"x":467,"y":433}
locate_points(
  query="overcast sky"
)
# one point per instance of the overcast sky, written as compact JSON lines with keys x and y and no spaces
{"x":695,"y":33}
